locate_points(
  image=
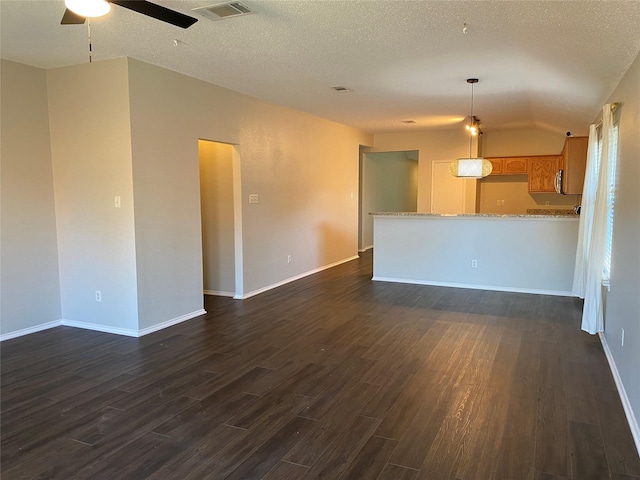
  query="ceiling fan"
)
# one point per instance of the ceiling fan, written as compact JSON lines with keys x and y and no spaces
{"x":74,"y":16}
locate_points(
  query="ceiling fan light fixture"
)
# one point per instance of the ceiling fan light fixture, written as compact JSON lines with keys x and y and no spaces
{"x":473,"y":127}
{"x":88,"y":8}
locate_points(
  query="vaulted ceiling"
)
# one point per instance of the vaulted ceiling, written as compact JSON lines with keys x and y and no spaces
{"x":546,"y":64}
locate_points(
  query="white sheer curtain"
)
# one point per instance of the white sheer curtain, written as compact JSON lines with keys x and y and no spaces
{"x":592,"y":314}
{"x":586,"y":213}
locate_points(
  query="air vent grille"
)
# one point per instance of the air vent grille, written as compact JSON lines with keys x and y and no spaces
{"x":223,"y":10}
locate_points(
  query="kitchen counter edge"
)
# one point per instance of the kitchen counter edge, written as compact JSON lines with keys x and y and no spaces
{"x":471,"y":215}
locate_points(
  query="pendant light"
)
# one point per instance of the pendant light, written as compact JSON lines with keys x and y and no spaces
{"x":471,"y":167}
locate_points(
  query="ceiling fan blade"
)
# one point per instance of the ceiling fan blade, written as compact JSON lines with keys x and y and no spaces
{"x":158,"y":12}
{"x":70,"y":18}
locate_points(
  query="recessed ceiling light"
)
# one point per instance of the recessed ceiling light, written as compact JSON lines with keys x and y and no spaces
{"x":341,"y":89}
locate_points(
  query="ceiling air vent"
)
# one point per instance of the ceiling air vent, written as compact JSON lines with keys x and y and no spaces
{"x":223,"y":10}
{"x":341,"y":89}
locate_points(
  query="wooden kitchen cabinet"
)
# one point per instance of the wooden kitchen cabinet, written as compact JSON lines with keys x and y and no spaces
{"x":509,"y":165}
{"x":515,"y":165}
{"x":542,"y":173}
{"x":574,"y":160}
{"x":497,"y":164}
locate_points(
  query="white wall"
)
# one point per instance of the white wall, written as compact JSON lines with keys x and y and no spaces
{"x":623,"y":301}
{"x":30,"y":286}
{"x":91,"y":155}
{"x":534,"y":255}
{"x":216,"y":193}
{"x":390,"y":184}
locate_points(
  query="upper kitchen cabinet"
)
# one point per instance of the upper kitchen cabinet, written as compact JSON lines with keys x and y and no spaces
{"x":542,"y":173}
{"x":508,"y":165}
{"x":574,"y":159}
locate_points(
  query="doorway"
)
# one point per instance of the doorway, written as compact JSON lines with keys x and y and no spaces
{"x":218,"y":218}
{"x":388,"y":183}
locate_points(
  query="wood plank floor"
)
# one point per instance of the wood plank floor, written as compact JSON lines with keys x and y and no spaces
{"x":334,"y":377}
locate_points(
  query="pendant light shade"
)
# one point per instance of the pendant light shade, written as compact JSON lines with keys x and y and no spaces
{"x":471,"y":167}
{"x":88,"y":8}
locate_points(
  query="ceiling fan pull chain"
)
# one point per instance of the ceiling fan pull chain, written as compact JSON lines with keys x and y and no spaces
{"x":89,"y":33}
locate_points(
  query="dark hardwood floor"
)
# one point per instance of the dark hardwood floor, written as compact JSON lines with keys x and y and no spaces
{"x":334,"y":377}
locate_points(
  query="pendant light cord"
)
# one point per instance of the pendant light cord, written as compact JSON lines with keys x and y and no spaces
{"x":472,"y":118}
{"x":471,"y":121}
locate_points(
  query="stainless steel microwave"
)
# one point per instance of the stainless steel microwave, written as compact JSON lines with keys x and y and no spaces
{"x":558,"y":181}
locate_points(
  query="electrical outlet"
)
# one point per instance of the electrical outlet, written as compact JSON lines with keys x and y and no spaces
{"x":98,"y":296}
{"x":254,"y":198}
{"x":474,"y":264}
{"x":117,"y":202}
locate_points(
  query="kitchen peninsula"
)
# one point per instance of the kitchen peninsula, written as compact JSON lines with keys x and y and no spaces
{"x":516,"y":253}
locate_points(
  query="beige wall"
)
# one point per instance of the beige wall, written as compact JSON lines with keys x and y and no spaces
{"x":521,"y":141}
{"x":30,"y":286}
{"x":623,"y":301}
{"x":304,"y":169}
{"x":454,"y":143}
{"x":216,"y":193}
{"x":514,"y":190}
{"x":129,"y":129}
{"x":431,"y":145}
{"x":91,"y":155}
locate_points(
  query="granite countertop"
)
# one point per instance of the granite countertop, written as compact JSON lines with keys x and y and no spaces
{"x":552,"y":211}
{"x":480,"y":215}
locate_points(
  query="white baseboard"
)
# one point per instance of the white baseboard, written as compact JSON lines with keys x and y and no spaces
{"x":169,"y":323}
{"x":27,"y":331}
{"x":99,"y":328}
{"x":102,"y":328}
{"x":558,"y":293}
{"x":631,"y":418}
{"x":293,"y":279}
{"x":217,"y":293}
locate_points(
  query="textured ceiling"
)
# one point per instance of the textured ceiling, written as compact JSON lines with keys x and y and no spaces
{"x":549,"y":64}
